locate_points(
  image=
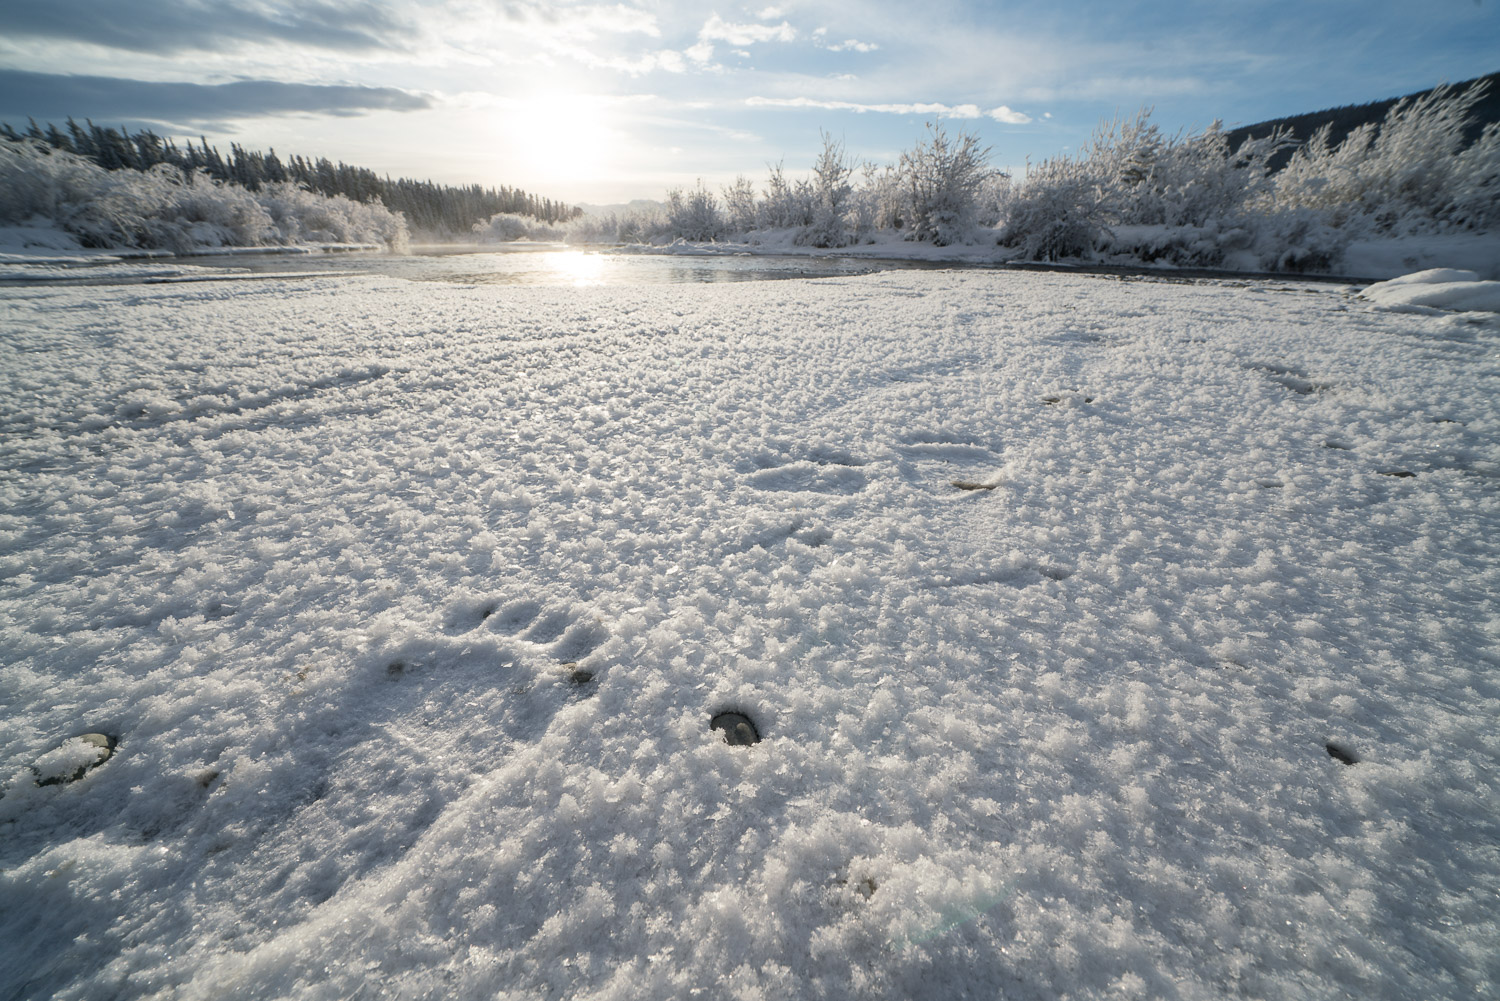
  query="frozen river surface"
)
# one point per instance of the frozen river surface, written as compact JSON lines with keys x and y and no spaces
{"x":1104,"y":638}
{"x":505,"y":264}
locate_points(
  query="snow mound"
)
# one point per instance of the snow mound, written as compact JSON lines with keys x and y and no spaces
{"x":1437,"y":288}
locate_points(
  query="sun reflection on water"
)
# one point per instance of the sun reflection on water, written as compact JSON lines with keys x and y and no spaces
{"x":576,"y":267}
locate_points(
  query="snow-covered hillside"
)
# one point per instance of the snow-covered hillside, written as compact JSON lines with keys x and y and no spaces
{"x":1061,"y":604}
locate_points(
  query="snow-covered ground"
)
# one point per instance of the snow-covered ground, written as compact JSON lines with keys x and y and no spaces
{"x":409,"y":605}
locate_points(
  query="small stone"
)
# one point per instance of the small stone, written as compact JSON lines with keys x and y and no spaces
{"x":73,"y":759}
{"x":971,"y":485}
{"x":738,"y":730}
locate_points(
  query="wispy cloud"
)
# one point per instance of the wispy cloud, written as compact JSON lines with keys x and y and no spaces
{"x":716,"y":29}
{"x":586,"y":21}
{"x":1000,"y":114}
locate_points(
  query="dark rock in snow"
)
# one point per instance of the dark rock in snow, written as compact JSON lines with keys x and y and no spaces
{"x":74,"y":759}
{"x":738,"y":730}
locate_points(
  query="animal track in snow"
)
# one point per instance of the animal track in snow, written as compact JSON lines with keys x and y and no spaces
{"x":571,"y":635}
{"x":810,"y":477}
{"x":1291,"y":378}
{"x":1017,"y":577}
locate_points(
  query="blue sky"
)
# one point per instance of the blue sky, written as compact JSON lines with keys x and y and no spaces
{"x":600,"y":102}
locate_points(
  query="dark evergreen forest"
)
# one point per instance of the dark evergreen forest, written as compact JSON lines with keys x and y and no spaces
{"x":428,"y":207}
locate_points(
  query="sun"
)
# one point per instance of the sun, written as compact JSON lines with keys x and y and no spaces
{"x":565,"y":137}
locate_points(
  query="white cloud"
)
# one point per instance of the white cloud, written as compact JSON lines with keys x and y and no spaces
{"x":1009,"y":117}
{"x":716,"y":29}
{"x":945,"y":110}
{"x":853,"y":45}
{"x":584,"y":22}
{"x":770,"y":13}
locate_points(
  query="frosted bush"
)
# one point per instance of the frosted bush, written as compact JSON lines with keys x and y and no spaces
{"x":1057,"y":213}
{"x":505,"y":227}
{"x":694,"y":215}
{"x":1410,"y":175}
{"x":164,"y":208}
{"x":941,"y":180}
{"x":787,"y":203}
{"x":740,"y":210}
{"x":832,"y":198}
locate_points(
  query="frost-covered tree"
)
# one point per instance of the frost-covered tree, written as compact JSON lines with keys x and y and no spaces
{"x":1057,"y":213}
{"x":941,"y":179}
{"x":694,"y":215}
{"x":506,"y":227}
{"x":1411,"y":174}
{"x":832,"y":197}
{"x":787,"y":203}
{"x":739,"y":205}
{"x":162,"y":207}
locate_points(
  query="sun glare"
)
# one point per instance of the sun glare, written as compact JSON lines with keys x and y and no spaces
{"x":567,"y":137}
{"x":577,"y":267}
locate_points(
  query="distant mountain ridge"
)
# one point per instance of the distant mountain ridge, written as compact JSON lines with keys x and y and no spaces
{"x":1349,"y":117}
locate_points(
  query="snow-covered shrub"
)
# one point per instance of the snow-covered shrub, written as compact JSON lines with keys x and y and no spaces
{"x":1475,"y":183}
{"x":876,"y":202}
{"x":832,"y":197}
{"x":995,"y":195}
{"x":304,"y":216}
{"x":740,"y":209}
{"x":505,"y":227}
{"x":941,"y":180}
{"x":1410,"y":175}
{"x":1058,"y":212}
{"x":694,"y":215}
{"x":635,"y":226}
{"x":164,"y":208}
{"x":1149,"y":179}
{"x":787,"y":203}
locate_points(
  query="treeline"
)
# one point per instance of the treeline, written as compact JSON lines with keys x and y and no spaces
{"x":1341,"y":121}
{"x":163,"y":207}
{"x":429,"y":208}
{"x":1133,"y":194}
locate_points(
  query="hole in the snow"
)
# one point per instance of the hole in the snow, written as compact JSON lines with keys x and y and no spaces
{"x":1340,"y":755}
{"x":1400,"y":474}
{"x":738,"y":730}
{"x":395,"y":669}
{"x":576,"y":674}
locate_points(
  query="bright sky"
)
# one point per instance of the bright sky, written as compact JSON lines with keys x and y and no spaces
{"x":604,"y":102}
